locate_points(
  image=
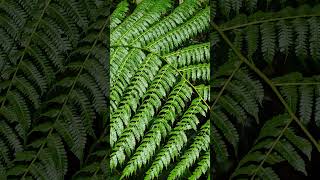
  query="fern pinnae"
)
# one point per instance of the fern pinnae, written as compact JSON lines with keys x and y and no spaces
{"x":252,"y":38}
{"x":306,"y":103}
{"x":317,"y":108}
{"x":137,"y":55}
{"x":228,"y":130}
{"x":198,"y":53}
{"x":285,"y":36}
{"x":201,"y":142}
{"x":268,"y":41}
{"x":135,"y":91}
{"x":203,"y":166}
{"x":150,"y":103}
{"x":62,"y":107}
{"x":11,"y":137}
{"x":146,"y":72}
{"x":178,"y":137}
{"x":118,"y":14}
{"x":196,"y":72}
{"x":159,"y":127}
{"x":24,"y":51}
{"x":75,"y":12}
{"x":87,"y":113}
{"x":153,"y":15}
{"x":138,"y":13}
{"x":301,"y":30}
{"x":200,"y":21}
{"x":182,"y":12}
{"x":28,"y":90}
{"x":314,"y":26}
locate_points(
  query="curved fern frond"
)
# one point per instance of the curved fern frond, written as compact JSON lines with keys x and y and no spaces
{"x":258,"y":163}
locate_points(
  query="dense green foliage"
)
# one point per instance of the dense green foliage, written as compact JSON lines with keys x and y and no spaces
{"x":266,"y":101}
{"x":159,"y":90}
{"x":53,"y":85}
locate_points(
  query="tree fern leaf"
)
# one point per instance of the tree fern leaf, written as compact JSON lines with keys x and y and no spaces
{"x":268,"y":41}
{"x":177,"y":139}
{"x":193,"y":54}
{"x":306,"y":103}
{"x":201,"y":142}
{"x":160,"y":126}
{"x":301,"y":31}
{"x":196,"y":72}
{"x":177,"y":17}
{"x":118,"y":14}
{"x":11,"y":137}
{"x":175,"y":37}
{"x":288,"y":152}
{"x":317,"y":115}
{"x":203,"y":166}
{"x":228,"y":130}
{"x":252,"y":38}
{"x":314,"y":26}
{"x":285,"y":36}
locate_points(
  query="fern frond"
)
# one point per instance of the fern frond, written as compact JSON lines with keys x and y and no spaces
{"x":175,"y":37}
{"x":118,"y":14}
{"x":177,"y":138}
{"x":176,"y":18}
{"x":302,"y":93}
{"x":199,"y":53}
{"x":200,"y":143}
{"x":203,"y":166}
{"x":160,"y":127}
{"x":289,"y":27}
{"x":284,"y":148}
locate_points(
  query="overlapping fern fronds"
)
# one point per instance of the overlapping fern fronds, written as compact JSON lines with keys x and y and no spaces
{"x":53,"y":84}
{"x":159,"y":91}
{"x":271,"y":43}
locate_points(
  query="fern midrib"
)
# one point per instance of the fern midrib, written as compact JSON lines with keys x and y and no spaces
{"x":271,"y":149}
{"x":66,"y":99}
{"x":267,"y":20}
{"x":24,"y":52}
